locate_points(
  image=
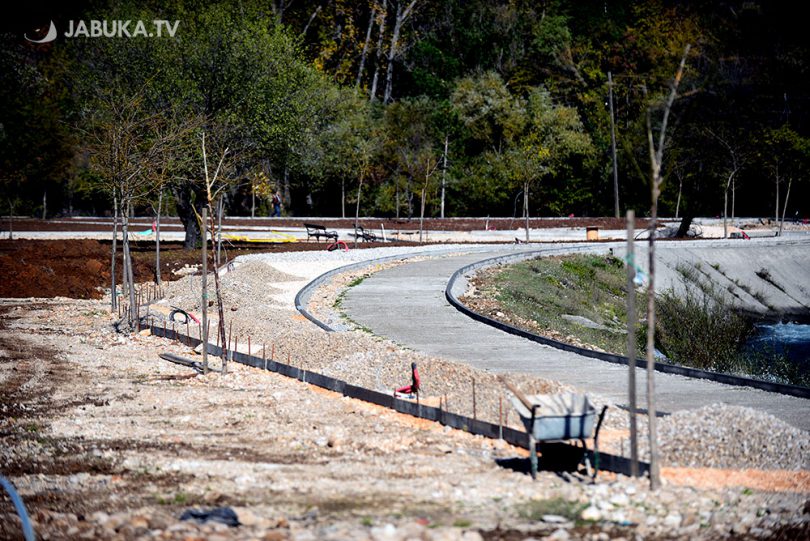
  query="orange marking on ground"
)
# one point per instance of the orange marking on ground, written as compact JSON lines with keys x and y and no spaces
{"x":767,"y":480}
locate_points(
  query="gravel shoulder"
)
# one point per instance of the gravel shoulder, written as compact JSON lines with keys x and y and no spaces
{"x":104,"y":440}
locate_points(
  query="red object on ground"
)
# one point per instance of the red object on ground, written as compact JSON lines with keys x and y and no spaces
{"x":336,"y":245}
{"x":414,"y":386}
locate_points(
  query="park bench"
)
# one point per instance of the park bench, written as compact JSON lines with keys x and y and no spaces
{"x":362,"y":234}
{"x":318,"y":231}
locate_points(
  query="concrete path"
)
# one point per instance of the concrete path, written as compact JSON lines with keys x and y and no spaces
{"x":407,"y":304}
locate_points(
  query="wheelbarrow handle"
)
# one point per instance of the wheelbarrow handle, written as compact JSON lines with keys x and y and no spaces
{"x":520,"y":396}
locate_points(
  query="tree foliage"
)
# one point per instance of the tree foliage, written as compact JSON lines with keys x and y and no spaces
{"x":517,"y":88}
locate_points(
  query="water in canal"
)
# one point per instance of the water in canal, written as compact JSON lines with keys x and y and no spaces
{"x":789,"y":339}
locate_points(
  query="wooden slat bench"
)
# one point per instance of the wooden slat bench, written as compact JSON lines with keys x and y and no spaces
{"x":318,"y":231}
{"x":363,"y":234}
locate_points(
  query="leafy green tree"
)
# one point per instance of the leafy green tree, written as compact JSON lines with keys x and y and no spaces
{"x":527,"y":139}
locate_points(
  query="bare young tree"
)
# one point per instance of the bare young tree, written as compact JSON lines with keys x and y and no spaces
{"x":656,"y":159}
{"x":735,"y":164}
{"x":128,"y":148}
{"x":215,"y":185}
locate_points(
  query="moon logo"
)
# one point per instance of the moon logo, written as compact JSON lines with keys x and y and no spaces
{"x":50,"y":36}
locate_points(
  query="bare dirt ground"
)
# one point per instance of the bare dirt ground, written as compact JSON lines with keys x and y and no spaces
{"x":103,"y":440}
{"x":80,"y":269}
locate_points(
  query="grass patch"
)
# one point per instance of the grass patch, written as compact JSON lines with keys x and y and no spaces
{"x":697,"y":326}
{"x":179,"y":498}
{"x":536,"y":509}
{"x":354,"y":283}
{"x":542,"y":290}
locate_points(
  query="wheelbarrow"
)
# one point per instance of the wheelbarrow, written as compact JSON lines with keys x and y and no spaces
{"x":556,"y":418}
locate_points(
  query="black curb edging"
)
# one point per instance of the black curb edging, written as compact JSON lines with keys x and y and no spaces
{"x":518,"y":438}
{"x":666,"y":368}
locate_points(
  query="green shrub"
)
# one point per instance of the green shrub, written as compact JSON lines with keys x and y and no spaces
{"x":699,"y":328}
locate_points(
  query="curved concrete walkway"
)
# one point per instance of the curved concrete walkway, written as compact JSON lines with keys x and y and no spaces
{"x":407,"y":304}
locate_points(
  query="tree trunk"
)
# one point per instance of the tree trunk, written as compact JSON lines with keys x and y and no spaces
{"x":365,"y":48}
{"x":373,"y":92}
{"x":401,"y":17}
{"x":686,"y":223}
{"x":409,"y":197}
{"x":311,"y":18}
{"x":44,"y":204}
{"x":157,"y":237}
{"x":343,"y":198}
{"x":219,"y":213}
{"x":725,"y":204}
{"x":678,"y":204}
{"x":130,"y":275}
{"x":224,"y":355}
{"x":10,"y":220}
{"x":357,"y":210}
{"x":733,"y":198}
{"x":444,"y":175}
{"x":186,"y":212}
{"x":396,"y":196}
{"x":784,"y":207}
{"x":286,"y":197}
{"x":725,"y":213}
{"x":776,"y":214}
{"x":392,"y":52}
{"x":613,"y":148}
{"x":422,"y":211}
{"x":253,"y":200}
{"x":526,"y":207}
{"x":113,"y":292}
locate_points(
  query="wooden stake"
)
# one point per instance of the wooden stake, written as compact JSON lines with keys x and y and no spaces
{"x":273,"y":351}
{"x":264,"y":355}
{"x":500,"y":417}
{"x":631,"y":340}
{"x":205,"y":321}
{"x":475,"y":413}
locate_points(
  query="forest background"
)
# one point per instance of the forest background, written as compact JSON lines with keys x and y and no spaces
{"x":380,"y":106}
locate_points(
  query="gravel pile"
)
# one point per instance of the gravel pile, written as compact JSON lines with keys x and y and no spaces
{"x":721,"y":436}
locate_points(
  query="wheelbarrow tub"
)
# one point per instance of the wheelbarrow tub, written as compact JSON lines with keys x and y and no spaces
{"x":557,"y":417}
